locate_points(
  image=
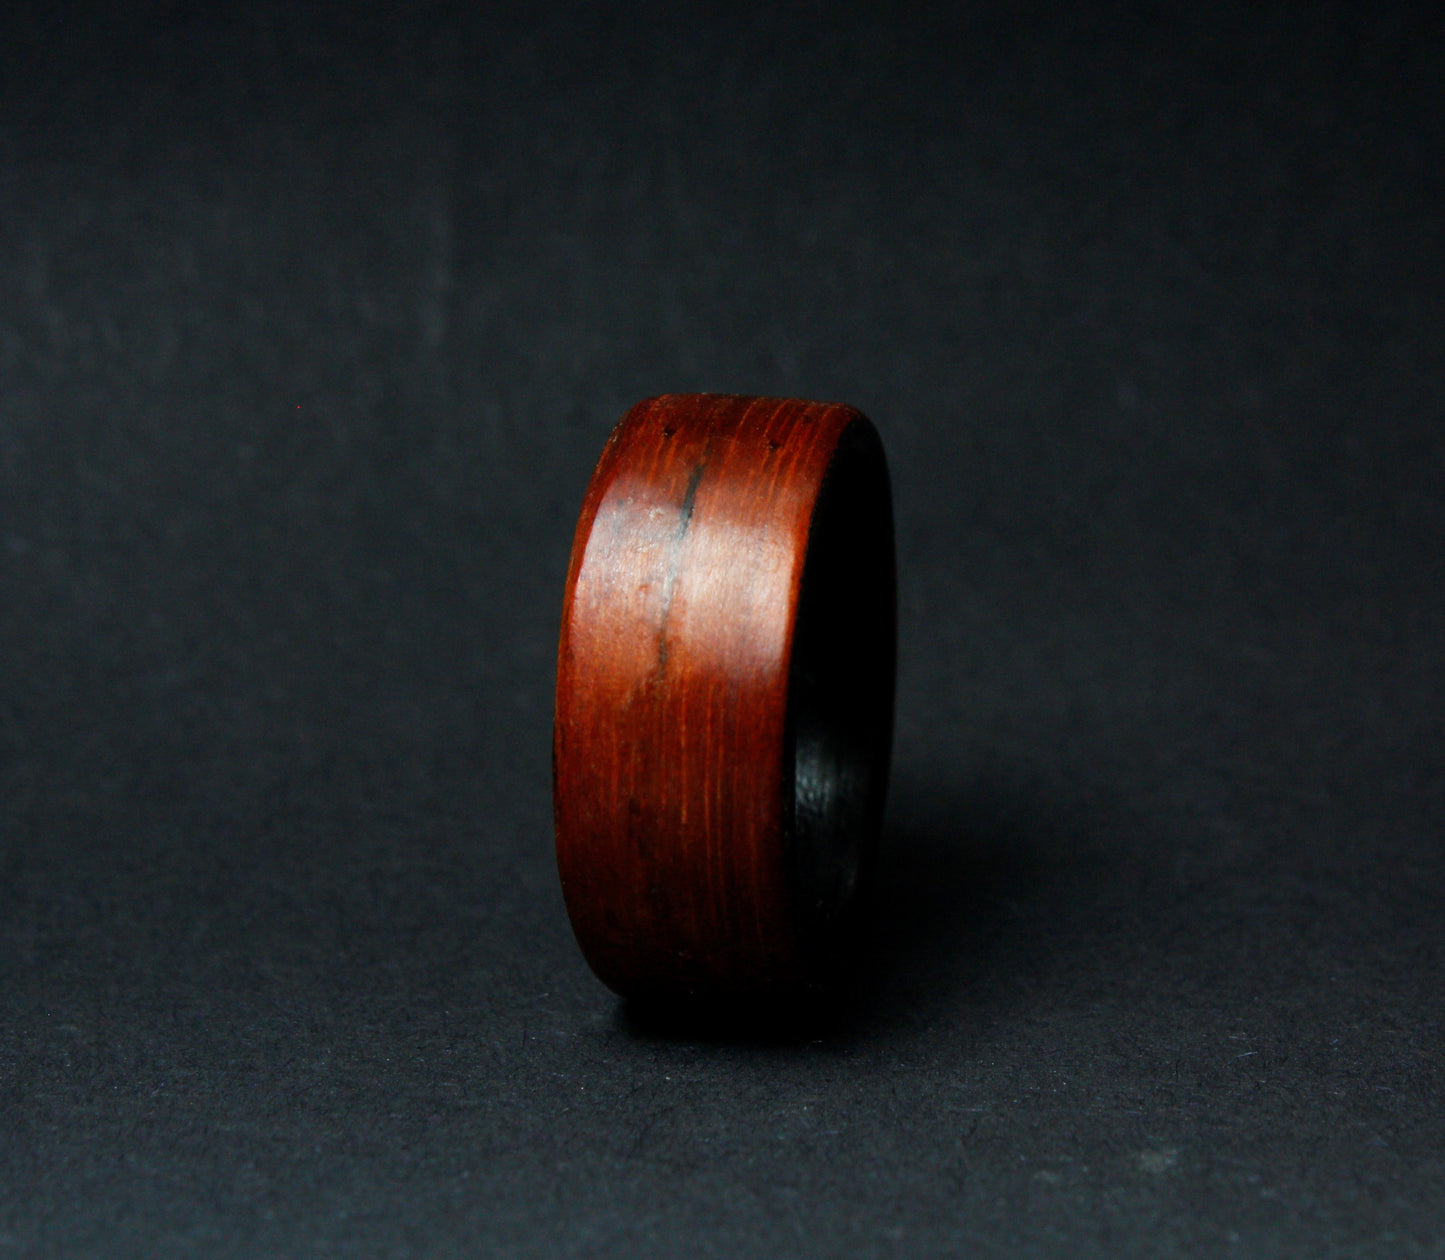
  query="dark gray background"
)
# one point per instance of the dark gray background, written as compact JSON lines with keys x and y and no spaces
{"x":312,"y":322}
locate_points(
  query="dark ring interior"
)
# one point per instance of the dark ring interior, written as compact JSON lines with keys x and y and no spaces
{"x":841,"y":685}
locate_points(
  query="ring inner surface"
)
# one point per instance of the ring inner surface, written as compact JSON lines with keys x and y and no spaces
{"x":841,"y":683}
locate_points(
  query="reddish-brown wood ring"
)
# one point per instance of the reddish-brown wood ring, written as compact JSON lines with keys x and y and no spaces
{"x":724,"y":696}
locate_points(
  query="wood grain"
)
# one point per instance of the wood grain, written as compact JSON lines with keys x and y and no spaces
{"x":704,"y":850}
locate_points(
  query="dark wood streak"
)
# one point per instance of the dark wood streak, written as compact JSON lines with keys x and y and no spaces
{"x":689,"y":500}
{"x":672,"y":748}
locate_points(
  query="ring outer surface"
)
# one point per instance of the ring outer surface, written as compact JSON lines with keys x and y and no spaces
{"x":672,"y":757}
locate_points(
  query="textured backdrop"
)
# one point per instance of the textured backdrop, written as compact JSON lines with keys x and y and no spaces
{"x":312,"y":322}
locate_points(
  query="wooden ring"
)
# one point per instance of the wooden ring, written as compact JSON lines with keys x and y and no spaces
{"x":725,"y":697}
